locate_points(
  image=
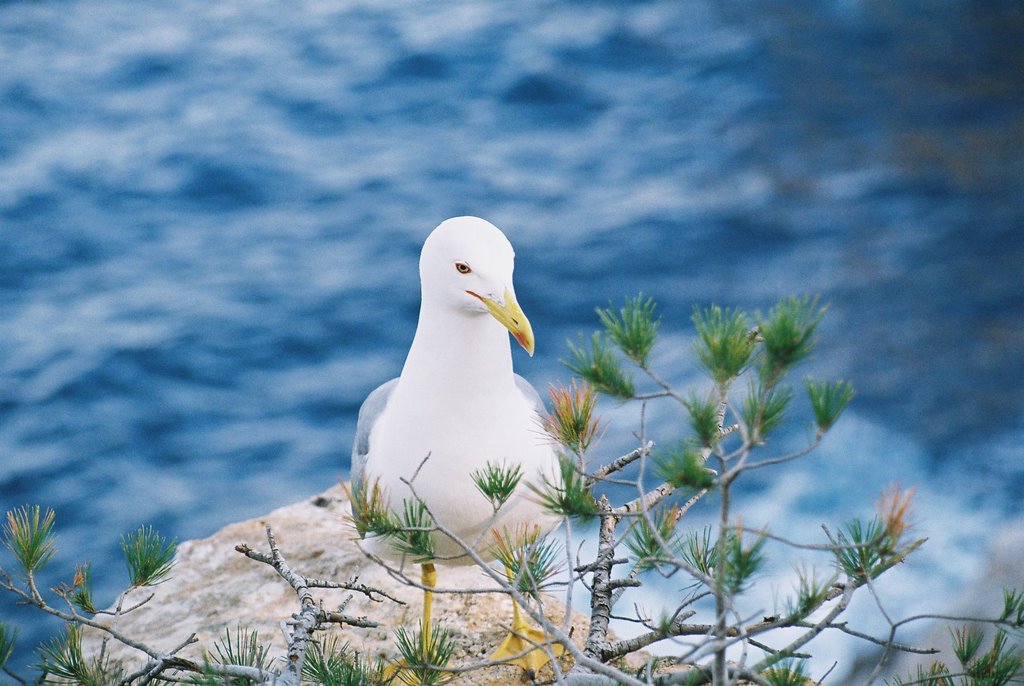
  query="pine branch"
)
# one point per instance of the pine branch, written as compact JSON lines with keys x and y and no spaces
{"x":310,"y":616}
{"x":619,"y":464}
{"x":845,"y":628}
{"x":600,"y":587}
{"x":167,"y":660}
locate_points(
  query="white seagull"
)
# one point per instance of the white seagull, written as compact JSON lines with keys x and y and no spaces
{"x":456,"y":408}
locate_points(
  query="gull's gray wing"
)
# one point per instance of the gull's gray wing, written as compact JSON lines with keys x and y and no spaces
{"x":370,"y":410}
{"x":531,"y":394}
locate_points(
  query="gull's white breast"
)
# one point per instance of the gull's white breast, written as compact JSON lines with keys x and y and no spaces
{"x":458,"y":435}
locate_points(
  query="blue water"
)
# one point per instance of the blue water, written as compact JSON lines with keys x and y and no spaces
{"x":210,"y":215}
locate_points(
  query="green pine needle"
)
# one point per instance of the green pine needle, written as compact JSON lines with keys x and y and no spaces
{"x":810,"y":594}
{"x":703,"y":412}
{"x":633,"y":328}
{"x":566,"y":494}
{"x":698,"y":551}
{"x":28,"y":534}
{"x":643,"y":538}
{"x":408,"y":533}
{"x":424,"y":661}
{"x":81,"y":590}
{"x":1002,"y":663}
{"x":966,"y":642}
{"x":597,"y":366}
{"x":786,"y":672}
{"x":698,"y":676}
{"x":148,"y":556}
{"x":828,"y":400}
{"x":1013,"y":607}
{"x":335,"y":665}
{"x":763,"y":410}
{"x":209,"y":677}
{"x":497,"y":482}
{"x":725,"y":343}
{"x":8,"y":635}
{"x":741,"y":563}
{"x":866,"y":551}
{"x":62,"y":658}
{"x":937,"y":674}
{"x":528,"y":557}
{"x":683,"y":467}
{"x":858,"y":555}
{"x":413,"y":535}
{"x":788,"y":335}
{"x":244,"y":650}
{"x":370,"y":513}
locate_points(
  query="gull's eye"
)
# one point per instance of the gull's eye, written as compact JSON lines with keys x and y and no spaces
{"x":463,"y":268}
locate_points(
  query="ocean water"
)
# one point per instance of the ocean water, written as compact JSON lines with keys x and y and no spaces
{"x":210,"y":215}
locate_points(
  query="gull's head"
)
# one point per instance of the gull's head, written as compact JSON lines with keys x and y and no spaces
{"x":466,"y":265}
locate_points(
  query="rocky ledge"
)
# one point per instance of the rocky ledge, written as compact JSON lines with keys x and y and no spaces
{"x":215,"y":588}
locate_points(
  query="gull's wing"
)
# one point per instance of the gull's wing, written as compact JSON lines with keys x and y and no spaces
{"x":370,"y":410}
{"x":531,"y":395}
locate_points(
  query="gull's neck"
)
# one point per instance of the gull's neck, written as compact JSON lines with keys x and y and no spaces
{"x":468,"y":353}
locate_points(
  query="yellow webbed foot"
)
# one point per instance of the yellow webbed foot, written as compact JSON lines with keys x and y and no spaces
{"x":400,"y":673}
{"x":521,"y":646}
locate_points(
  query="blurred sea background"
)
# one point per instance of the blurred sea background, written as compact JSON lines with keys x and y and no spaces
{"x":210,"y":217}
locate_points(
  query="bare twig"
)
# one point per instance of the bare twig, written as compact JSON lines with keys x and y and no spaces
{"x":15,"y":676}
{"x":136,"y":606}
{"x":902,"y":647}
{"x":667,"y":389}
{"x":154,"y":668}
{"x":620,"y":463}
{"x":311,"y":614}
{"x":788,"y":457}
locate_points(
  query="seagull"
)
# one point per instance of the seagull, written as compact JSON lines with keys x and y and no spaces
{"x":456,"y":408}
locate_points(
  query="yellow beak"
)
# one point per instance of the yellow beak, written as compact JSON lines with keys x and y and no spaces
{"x":511,"y":317}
